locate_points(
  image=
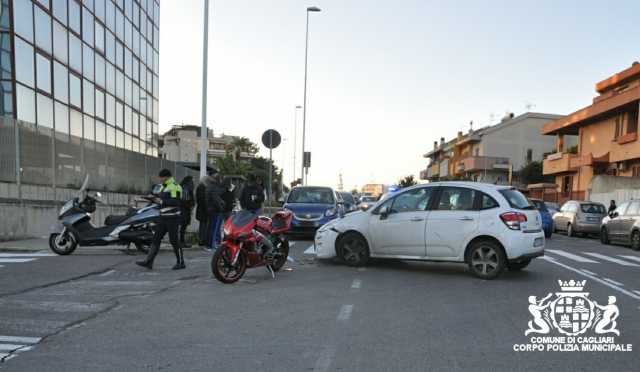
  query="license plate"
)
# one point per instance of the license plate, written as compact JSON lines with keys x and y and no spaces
{"x":306,"y":223}
{"x":593,"y":219}
{"x":538,"y":242}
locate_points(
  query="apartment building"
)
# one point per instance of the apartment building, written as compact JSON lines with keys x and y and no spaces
{"x":182,"y":144}
{"x":492,"y":154}
{"x":607,"y":136}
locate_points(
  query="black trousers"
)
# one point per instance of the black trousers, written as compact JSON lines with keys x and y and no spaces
{"x":162,"y":228}
{"x":186,"y":221}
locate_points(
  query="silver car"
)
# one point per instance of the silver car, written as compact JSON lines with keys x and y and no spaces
{"x":623,"y":225}
{"x":579,"y":217}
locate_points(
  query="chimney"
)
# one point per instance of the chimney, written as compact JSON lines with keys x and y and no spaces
{"x":459,"y":135}
{"x":441,"y":141}
{"x":435,"y":145}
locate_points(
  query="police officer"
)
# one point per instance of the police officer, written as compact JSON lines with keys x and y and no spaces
{"x":170,"y":194}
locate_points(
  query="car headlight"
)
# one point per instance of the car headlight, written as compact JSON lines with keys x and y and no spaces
{"x":330,"y":212}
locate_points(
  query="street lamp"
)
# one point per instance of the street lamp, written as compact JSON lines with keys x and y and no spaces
{"x":304,"y":104}
{"x":295,"y":137}
{"x":204,"y":145}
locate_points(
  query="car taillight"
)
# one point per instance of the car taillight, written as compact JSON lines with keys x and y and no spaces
{"x":513,"y":219}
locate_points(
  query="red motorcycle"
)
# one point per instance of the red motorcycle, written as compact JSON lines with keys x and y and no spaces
{"x":246,"y":238}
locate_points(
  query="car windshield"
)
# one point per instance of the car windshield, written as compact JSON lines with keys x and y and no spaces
{"x":551,"y":205}
{"x":539,"y":205}
{"x":592,"y":208}
{"x":311,"y":195}
{"x":516,"y":199}
{"x":368,"y":199}
{"x":347,"y":198}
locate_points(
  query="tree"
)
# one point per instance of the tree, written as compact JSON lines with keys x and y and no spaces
{"x":240,"y":145}
{"x":532,"y":173}
{"x":407,"y":181}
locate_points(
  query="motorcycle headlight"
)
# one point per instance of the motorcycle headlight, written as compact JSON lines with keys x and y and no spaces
{"x":65,"y":208}
{"x":330,"y":212}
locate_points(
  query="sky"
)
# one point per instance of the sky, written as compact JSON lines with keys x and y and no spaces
{"x":385,"y":78}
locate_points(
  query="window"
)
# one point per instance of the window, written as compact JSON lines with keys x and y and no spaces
{"x":5,"y":55}
{"x":61,"y":82}
{"x":74,"y":16}
{"x":110,"y":110}
{"x":100,"y":9}
{"x":99,"y":104}
{"x":127,"y":119}
{"x":120,"y":139}
{"x":75,"y":123}
{"x":43,"y":29}
{"x":488,"y":202}
{"x":99,"y":38}
{"x":635,"y":171}
{"x":111,"y":136}
{"x":110,"y":15}
{"x":119,"y":85}
{"x":411,"y":201}
{"x":529,"y":155}
{"x":622,"y":208}
{"x":26,"y":104}
{"x":100,"y":132}
{"x":455,"y":199}
{"x":128,"y":62}
{"x":43,"y":73}
{"x":632,"y":125}
{"x":111,"y":78}
{"x":592,"y":208}
{"x":516,"y":199}
{"x":23,"y":10}
{"x":60,"y":42}
{"x":60,"y":10}
{"x":89,"y":128}
{"x":136,"y":42}
{"x":100,"y":71}
{"x":75,"y":52}
{"x":119,"y":55}
{"x":45,"y":111}
{"x":24,"y":63}
{"x":87,"y":62}
{"x":45,"y":3}
{"x":88,"y":97}
{"x":567,"y":184}
{"x":62,"y":118}
{"x":119,"y":115}
{"x":110,"y":47}
{"x":119,"y":24}
{"x":87,"y":27}
{"x":6,"y":98}
{"x":135,"y":122}
{"x":618,"y":130}
{"x":75,"y":95}
{"x":88,"y":4}
{"x":634,"y":209}
{"x":128,"y":33}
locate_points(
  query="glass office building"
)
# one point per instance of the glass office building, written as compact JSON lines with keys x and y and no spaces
{"x":84,"y":69}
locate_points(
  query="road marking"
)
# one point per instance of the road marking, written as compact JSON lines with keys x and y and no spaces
{"x":345,"y":312}
{"x":637,"y":292}
{"x":324,"y":361}
{"x":290,"y":259}
{"x":356,"y":284}
{"x":613,"y":282}
{"x":570,"y":256}
{"x":589,"y":272}
{"x":16,"y":260}
{"x":310,"y":250}
{"x":35,"y":254}
{"x":107,"y":273}
{"x":10,"y":347}
{"x":23,"y":340}
{"x":362,"y":269}
{"x":633,"y":258}
{"x":614,"y":287}
{"x":611,"y":259}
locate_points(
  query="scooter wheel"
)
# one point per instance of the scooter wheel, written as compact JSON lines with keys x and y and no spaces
{"x":62,"y":245}
{"x":222,"y":268}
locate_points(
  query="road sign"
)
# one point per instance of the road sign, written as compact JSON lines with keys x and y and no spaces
{"x":307,"y":159}
{"x":271,"y":139}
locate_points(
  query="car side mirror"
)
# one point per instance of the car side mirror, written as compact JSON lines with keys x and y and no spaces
{"x":384,"y":212}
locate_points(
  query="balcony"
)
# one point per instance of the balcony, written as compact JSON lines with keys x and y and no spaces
{"x":562,"y":162}
{"x":627,"y":138}
{"x":480,"y":163}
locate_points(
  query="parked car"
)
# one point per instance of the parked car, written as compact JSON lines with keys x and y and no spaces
{"x":579,"y":217}
{"x":553,"y":208}
{"x":367,"y":202}
{"x":488,"y":227}
{"x":350,"y":204}
{"x":623,"y":225}
{"x":312,"y":207}
{"x":547,"y":221}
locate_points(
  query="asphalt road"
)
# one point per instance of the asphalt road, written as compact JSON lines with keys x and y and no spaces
{"x":97,"y":311}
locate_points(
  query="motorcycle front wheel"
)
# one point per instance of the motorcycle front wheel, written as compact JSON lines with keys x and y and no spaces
{"x":62,"y":245}
{"x":280,"y":257}
{"x":224,"y":270}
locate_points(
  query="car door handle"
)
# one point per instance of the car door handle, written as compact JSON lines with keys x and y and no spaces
{"x":416,"y":219}
{"x":465,"y":218}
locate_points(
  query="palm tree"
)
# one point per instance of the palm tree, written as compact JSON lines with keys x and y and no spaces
{"x":240,"y":145}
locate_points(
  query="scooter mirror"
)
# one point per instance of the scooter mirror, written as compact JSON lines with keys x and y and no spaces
{"x":98,"y":195}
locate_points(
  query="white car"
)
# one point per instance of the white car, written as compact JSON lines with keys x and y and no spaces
{"x":489,"y":227}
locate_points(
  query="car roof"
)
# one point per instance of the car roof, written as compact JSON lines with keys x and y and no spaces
{"x":474,"y":185}
{"x":313,"y":187}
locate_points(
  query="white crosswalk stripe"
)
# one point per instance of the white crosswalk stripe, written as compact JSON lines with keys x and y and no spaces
{"x":632,"y":258}
{"x":10,"y":345}
{"x":570,"y":256}
{"x":21,"y":257}
{"x":612,"y":259}
{"x":310,"y":250}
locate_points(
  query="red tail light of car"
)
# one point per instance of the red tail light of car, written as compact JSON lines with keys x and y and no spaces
{"x":513,"y":219}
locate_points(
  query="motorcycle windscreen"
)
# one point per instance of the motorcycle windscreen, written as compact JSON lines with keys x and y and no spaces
{"x":84,"y":186}
{"x":242,"y":218}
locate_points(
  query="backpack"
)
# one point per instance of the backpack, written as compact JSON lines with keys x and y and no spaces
{"x":252,"y":197}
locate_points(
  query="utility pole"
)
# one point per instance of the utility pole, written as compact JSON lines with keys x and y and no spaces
{"x":204,"y":137}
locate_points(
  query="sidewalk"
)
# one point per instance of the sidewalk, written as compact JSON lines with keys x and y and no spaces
{"x":39,"y":244}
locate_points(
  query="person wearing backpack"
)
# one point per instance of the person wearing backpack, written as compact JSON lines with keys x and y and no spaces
{"x":215,"y":209}
{"x":252,"y":195}
{"x":188,"y":203}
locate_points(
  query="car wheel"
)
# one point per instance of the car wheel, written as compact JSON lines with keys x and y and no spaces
{"x":515,"y":266}
{"x":635,"y":240}
{"x":604,"y":236}
{"x":570,"y":231}
{"x":353,"y":249}
{"x":486,"y":259}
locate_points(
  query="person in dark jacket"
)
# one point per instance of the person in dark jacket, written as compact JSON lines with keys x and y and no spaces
{"x":188,"y":202}
{"x":612,"y":207}
{"x":229,"y":198}
{"x":170,"y":195}
{"x":215,"y":208}
{"x":252,"y":195}
{"x":204,"y":230}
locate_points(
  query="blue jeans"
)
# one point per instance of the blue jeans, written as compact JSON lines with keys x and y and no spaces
{"x":216,"y":234}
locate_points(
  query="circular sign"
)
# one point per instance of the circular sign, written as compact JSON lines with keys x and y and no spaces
{"x":271,"y":139}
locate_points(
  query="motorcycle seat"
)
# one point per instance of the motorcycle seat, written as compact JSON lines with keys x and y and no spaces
{"x":114,"y":219}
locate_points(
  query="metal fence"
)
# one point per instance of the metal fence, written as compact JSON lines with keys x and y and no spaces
{"x":38,"y":156}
